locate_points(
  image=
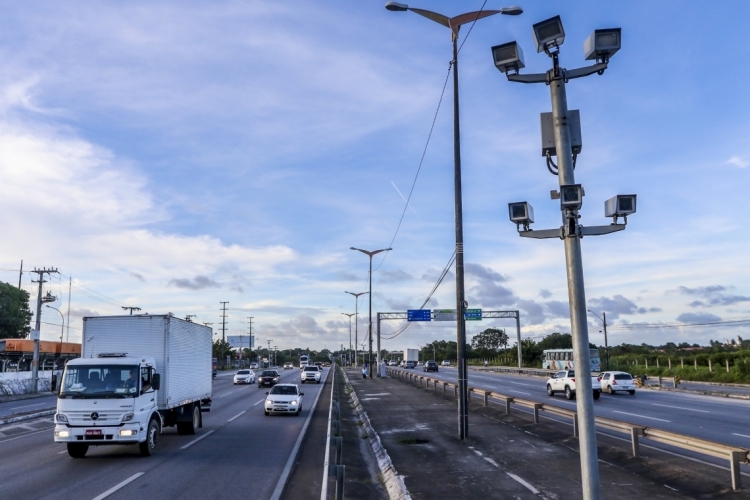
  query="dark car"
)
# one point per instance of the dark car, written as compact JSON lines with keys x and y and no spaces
{"x":268,"y":377}
{"x":430,"y":366}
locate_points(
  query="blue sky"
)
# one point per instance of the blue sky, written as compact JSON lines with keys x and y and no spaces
{"x":174,"y":155}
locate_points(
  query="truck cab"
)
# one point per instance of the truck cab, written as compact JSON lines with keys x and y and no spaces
{"x":109,"y":399}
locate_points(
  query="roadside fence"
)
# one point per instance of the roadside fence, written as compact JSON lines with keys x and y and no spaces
{"x":333,"y":467}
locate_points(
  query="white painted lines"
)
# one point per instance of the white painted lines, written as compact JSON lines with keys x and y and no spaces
{"x":379,"y":394}
{"x":519,"y":392}
{"x":681,"y":408}
{"x":191,"y":443}
{"x":740,"y":435}
{"x":641,"y":416}
{"x":492,"y":462}
{"x":524,"y":483}
{"x":28,"y":406}
{"x":227,"y":394}
{"x":237,"y":416}
{"x":117,"y":487}
{"x":259,"y":402}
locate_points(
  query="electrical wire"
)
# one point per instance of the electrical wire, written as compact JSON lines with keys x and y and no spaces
{"x":471,"y":27}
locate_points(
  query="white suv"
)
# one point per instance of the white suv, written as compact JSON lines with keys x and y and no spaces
{"x":310,"y":373}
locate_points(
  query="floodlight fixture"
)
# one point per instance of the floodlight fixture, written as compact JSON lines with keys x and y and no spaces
{"x":548,"y":34}
{"x":571,"y":197}
{"x":508,"y":57}
{"x":621,"y":205}
{"x":601,"y":45}
{"x":396,"y":6}
{"x":521,"y":213}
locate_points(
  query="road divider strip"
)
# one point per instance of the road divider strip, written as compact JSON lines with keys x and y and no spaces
{"x":30,"y":416}
{"x":118,"y":486}
{"x":734,"y":454}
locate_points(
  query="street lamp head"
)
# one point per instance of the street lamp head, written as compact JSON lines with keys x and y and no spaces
{"x":621,"y":205}
{"x":508,"y":57}
{"x":513,"y":10}
{"x":548,"y":34}
{"x":521,"y":213}
{"x":602,"y":44}
{"x":396,"y":6}
{"x":571,"y":197}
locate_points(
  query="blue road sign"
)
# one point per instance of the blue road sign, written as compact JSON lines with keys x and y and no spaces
{"x":418,"y":315}
{"x":473,"y":315}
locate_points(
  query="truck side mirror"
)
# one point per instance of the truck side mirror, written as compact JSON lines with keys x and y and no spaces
{"x":156,"y":381}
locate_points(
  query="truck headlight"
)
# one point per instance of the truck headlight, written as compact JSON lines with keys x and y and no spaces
{"x":127,"y":417}
{"x":61,"y":418}
{"x":128,"y":432}
{"x":62,"y":434}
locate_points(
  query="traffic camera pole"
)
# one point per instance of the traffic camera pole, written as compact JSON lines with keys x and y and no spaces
{"x":576,"y":294}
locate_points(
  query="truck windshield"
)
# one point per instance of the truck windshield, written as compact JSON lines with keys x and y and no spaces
{"x":100,"y":381}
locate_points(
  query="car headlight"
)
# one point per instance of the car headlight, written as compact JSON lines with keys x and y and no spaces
{"x":127,"y":417}
{"x":293,"y":403}
{"x":61,"y":418}
{"x":268,"y":401}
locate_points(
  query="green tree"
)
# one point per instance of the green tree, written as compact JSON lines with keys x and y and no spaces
{"x":491,"y":339}
{"x":15,"y":315}
{"x":221,"y":349}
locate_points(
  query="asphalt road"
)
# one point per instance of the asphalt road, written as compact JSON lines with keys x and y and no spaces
{"x":238,"y":452}
{"x":706,"y":417}
{"x":12,"y":408}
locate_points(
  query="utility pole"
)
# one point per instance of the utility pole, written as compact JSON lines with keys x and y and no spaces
{"x":269,"y":352}
{"x":35,"y":360}
{"x":606,"y":345}
{"x":251,"y":344}
{"x":224,"y":320}
{"x":131,"y":309}
{"x":20,"y":273}
{"x":70,"y":288}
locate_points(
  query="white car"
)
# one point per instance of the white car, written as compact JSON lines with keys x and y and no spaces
{"x":446,"y":362}
{"x":618,"y":381}
{"x":244,"y":377}
{"x":284,"y":398}
{"x":310,"y":373}
{"x":565,"y":381}
{"x":253,"y":366}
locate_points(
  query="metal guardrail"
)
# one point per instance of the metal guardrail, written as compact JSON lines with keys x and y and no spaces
{"x":735,"y":455}
{"x":333,"y":468}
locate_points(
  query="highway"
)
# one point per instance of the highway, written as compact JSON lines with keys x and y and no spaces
{"x":238,"y":452}
{"x":707,"y":417}
{"x":14,"y":408}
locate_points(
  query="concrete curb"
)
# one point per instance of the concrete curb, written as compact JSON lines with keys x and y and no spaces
{"x":702,"y":393}
{"x":393,"y":482}
{"x":21,"y":418}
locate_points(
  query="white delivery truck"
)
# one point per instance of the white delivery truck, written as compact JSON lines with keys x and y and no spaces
{"x":411,"y":357}
{"x":136,"y":375}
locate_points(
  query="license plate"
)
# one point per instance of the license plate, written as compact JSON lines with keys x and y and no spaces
{"x":93,"y":432}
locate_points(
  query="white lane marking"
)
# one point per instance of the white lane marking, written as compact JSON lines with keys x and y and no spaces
{"x":520,"y":392}
{"x":492,"y":462}
{"x":681,"y":408}
{"x":61,"y":452}
{"x":191,"y":443}
{"x":740,"y":435}
{"x":25,"y":435}
{"x":117,"y":487}
{"x":379,"y":394}
{"x":524,"y":483}
{"x":237,"y":416}
{"x":641,"y":416}
{"x":259,"y":402}
{"x":477,"y":452}
{"x":227,"y":394}
{"x":519,"y":383}
{"x":27,"y":406}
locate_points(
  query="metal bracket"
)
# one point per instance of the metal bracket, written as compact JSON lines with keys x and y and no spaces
{"x":532,"y":78}
{"x":543,"y":234}
{"x":600,"y":230}
{"x":588,"y":70}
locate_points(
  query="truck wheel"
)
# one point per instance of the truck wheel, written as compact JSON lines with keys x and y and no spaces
{"x":610,"y":390}
{"x":76,"y":450}
{"x":568,"y":393}
{"x":148,"y":447}
{"x":597,"y":394}
{"x":550,"y":392}
{"x":190,"y":427}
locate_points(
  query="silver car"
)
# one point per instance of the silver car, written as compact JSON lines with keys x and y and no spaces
{"x":284,"y":398}
{"x":244,"y":377}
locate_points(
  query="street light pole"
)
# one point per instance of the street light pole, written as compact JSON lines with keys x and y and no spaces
{"x":62,"y":330}
{"x":350,"y":334}
{"x":604,"y":323}
{"x":370,"y":254}
{"x":356,"y":323}
{"x":455,"y":23}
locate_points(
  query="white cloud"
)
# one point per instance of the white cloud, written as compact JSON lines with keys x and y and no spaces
{"x":738,"y":161}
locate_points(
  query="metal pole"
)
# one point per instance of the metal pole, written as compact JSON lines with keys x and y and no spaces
{"x":37,"y":327}
{"x":369,"y":327}
{"x":518,"y":334}
{"x":378,"y":344}
{"x":576,"y":294}
{"x":463,"y":416}
{"x":606,"y":345}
